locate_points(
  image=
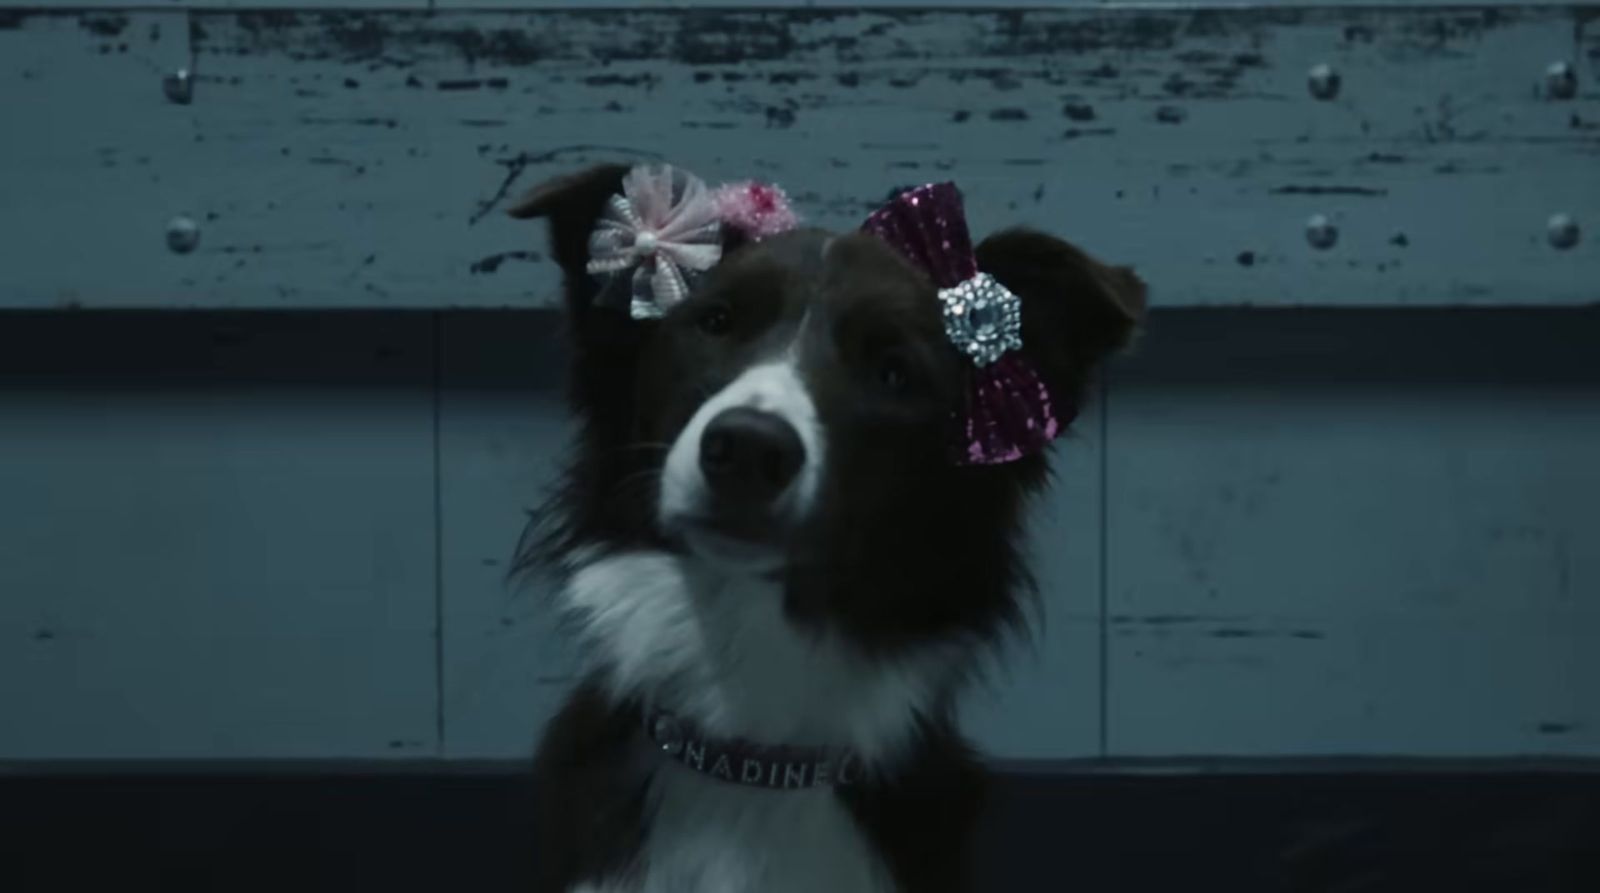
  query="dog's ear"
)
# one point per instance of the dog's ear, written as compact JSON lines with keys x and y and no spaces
{"x":606,"y":342}
{"x":1076,"y":311}
{"x":572,"y":203}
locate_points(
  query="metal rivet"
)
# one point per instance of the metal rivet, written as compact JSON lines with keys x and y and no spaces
{"x":183,"y":234}
{"x":1562,"y":231}
{"x":1323,"y":81}
{"x":1321,"y":233}
{"x":667,"y":734}
{"x":179,"y":86}
{"x":1560,"y":81}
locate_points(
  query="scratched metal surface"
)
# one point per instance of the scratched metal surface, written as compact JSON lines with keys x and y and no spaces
{"x":216,"y":538}
{"x":502,"y":429}
{"x":506,"y":665}
{"x":699,"y":4}
{"x":1353,"y":534}
{"x":1043,"y":699}
{"x":184,"y":5}
{"x":344,"y":159}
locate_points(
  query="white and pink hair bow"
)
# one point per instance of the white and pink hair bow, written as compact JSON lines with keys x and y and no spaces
{"x":664,"y":226}
{"x":667,"y":227}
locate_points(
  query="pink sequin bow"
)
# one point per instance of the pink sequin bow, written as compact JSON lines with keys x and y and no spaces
{"x":1009,"y":412}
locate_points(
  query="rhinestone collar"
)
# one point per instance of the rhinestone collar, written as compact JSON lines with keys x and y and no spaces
{"x":735,"y":761}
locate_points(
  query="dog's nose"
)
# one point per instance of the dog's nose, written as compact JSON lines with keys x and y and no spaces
{"x":749,"y":456}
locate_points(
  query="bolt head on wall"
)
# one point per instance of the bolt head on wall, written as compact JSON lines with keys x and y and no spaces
{"x":1560,"y":81}
{"x":1323,"y":81}
{"x":1321,"y":233}
{"x":1562,"y":231}
{"x":183,"y":234}
{"x":179,"y":86}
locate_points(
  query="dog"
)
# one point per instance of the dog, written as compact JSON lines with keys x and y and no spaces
{"x":781,"y":563}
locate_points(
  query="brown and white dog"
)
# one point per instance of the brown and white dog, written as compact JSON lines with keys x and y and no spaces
{"x":781,"y":578}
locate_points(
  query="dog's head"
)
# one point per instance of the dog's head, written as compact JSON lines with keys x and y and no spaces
{"x":791,"y":418}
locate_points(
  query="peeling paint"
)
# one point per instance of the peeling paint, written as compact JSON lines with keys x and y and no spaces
{"x":1329,"y":190}
{"x":473,"y":84}
{"x":1556,"y":728}
{"x":1079,"y":102}
{"x":1174,"y":619}
{"x":104,"y":25}
{"x":491,"y":263}
{"x":1236,"y":633}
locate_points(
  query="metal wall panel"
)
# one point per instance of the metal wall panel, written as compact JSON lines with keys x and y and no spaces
{"x":1346,"y":533}
{"x":1043,"y":699}
{"x":117,"y":6}
{"x":1356,"y":534}
{"x":216,"y":538}
{"x":681,"y":5}
{"x":337,"y":159}
{"x":502,"y":431}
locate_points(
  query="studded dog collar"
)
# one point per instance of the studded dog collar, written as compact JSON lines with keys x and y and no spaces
{"x":735,"y":761}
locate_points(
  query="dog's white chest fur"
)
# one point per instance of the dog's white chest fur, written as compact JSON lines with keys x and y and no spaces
{"x":720,"y":652}
{"x":707,"y":836}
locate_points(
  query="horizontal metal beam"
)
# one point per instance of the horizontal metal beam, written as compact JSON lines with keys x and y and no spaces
{"x":361,"y":159}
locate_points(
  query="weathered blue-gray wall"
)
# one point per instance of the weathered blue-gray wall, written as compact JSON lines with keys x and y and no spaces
{"x":1337,"y":503}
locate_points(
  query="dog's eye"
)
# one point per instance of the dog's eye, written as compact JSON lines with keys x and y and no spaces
{"x":714,"y":320}
{"x":894,"y":374}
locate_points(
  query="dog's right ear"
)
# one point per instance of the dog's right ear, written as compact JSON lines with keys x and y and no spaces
{"x":572,"y":204}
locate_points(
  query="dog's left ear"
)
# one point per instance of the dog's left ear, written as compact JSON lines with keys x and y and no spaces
{"x":1076,"y":311}
{"x":572,"y":203}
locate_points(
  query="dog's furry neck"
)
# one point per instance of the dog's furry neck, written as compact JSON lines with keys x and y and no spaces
{"x":671,"y":634}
